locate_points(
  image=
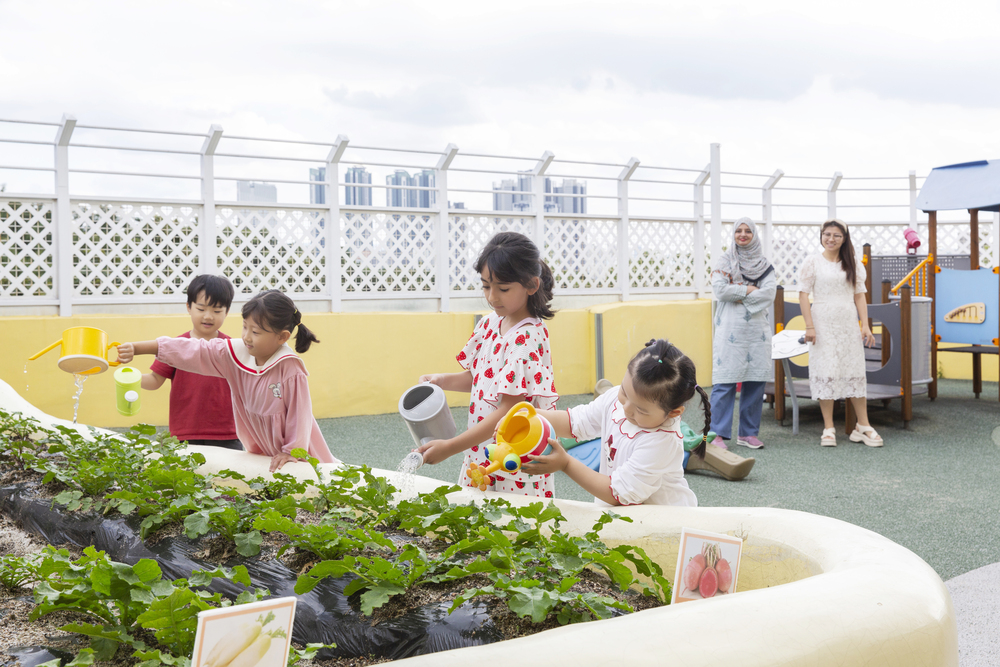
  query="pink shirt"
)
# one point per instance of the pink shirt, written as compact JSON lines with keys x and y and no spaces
{"x":271,"y":403}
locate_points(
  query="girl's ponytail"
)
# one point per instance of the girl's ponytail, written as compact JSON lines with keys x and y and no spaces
{"x":706,"y":405}
{"x":304,"y":338}
{"x":538,"y":303}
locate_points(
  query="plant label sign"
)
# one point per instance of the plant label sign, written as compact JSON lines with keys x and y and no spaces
{"x":707,"y":565}
{"x":258,"y":634}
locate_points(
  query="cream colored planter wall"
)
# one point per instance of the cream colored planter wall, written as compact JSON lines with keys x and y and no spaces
{"x":813,"y":591}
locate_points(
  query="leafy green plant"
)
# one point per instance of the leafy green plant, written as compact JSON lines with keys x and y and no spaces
{"x":123,"y":599}
{"x":18,"y":571}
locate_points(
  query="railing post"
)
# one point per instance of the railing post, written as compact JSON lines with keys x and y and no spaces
{"x":64,"y":217}
{"x":443,"y":254}
{"x":913,"y":200}
{"x":768,"y":212}
{"x":716,"y":194}
{"x":699,"y":230}
{"x":334,"y":232}
{"x":206,"y":233}
{"x":538,"y":190}
{"x":831,"y":195}
{"x":624,"y":279}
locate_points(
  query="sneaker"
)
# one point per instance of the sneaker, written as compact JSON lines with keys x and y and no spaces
{"x":719,"y":442}
{"x":750,"y":441}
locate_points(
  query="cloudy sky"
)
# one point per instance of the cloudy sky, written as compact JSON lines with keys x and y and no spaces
{"x":860,"y":87}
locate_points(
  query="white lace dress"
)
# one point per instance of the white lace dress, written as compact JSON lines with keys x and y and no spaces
{"x":837,"y":358}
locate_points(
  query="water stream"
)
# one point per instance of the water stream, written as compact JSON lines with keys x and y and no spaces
{"x":25,"y":377}
{"x":79,"y":380}
{"x":406,"y":468}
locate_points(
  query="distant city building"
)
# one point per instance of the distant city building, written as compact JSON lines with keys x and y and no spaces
{"x":257,"y":191}
{"x":398,"y":197}
{"x":317,"y":193}
{"x":508,"y":195}
{"x":456,"y":204}
{"x":357,"y":196}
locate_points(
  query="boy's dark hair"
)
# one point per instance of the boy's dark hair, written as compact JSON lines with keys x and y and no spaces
{"x":513,"y":258}
{"x":663,"y":374}
{"x":846,"y":254}
{"x":276,"y":312}
{"x":218,"y":291}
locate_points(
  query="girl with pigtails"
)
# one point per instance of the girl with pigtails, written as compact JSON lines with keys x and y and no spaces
{"x":271,"y":400}
{"x":638,"y":422}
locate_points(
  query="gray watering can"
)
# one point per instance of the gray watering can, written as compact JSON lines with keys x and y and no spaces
{"x":426,"y":413}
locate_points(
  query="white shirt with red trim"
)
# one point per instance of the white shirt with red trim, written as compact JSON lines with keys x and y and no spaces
{"x":645,"y":466}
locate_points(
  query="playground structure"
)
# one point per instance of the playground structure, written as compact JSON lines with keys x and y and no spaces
{"x":965,"y":304}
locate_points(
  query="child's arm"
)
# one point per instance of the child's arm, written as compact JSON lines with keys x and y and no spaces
{"x":450,"y":381}
{"x":591,"y":481}
{"x":436,"y":451}
{"x":152,"y":381}
{"x":129,"y":351}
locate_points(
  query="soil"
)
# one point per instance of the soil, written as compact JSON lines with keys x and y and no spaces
{"x":16,"y":629}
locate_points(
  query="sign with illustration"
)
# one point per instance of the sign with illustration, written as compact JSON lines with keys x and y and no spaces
{"x":707,"y":565}
{"x":258,"y":634}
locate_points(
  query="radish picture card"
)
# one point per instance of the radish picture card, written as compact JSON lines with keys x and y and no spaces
{"x":707,"y":565}
{"x":258,"y":634}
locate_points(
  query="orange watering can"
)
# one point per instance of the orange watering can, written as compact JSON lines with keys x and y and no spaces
{"x":521,"y":432}
{"x":84,"y":351}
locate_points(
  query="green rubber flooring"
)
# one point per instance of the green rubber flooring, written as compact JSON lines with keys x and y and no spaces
{"x":932,"y":488}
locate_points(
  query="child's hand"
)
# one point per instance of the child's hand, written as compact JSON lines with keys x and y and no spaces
{"x":279,"y":460}
{"x":434,"y":451}
{"x":433,"y":378}
{"x":126,"y":353}
{"x":548,"y":463}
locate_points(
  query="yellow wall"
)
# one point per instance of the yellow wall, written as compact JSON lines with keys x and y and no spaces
{"x":628,"y":326}
{"x":958,"y":365}
{"x":362,"y":365}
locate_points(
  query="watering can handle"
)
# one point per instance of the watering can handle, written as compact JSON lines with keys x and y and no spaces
{"x":111,"y":345}
{"x":523,"y":405}
{"x":38,"y":354}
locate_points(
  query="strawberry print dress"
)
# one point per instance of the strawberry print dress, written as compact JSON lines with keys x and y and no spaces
{"x":645,"y":466}
{"x":517,"y":363}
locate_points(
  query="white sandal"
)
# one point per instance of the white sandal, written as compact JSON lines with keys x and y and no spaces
{"x":867,"y":435}
{"x":829,"y":437}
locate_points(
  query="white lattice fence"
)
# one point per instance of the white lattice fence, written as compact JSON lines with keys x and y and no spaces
{"x":885,"y":239}
{"x":27,"y":253}
{"x":272,"y":248}
{"x":467,"y":235}
{"x":388,"y":253}
{"x":582,"y":253}
{"x":128,"y":250}
{"x":661,"y":254}
{"x":790,"y":245}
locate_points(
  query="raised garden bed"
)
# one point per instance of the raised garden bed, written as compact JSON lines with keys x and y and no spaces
{"x":150,"y":541}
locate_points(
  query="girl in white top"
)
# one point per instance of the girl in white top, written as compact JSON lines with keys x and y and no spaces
{"x":642,"y":451}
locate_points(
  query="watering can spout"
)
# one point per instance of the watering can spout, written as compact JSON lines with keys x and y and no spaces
{"x":50,"y":347}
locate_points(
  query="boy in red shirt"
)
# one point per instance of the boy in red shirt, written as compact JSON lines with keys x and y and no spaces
{"x":201,"y":407}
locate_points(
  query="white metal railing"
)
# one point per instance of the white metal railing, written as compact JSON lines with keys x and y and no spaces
{"x":132,"y":214}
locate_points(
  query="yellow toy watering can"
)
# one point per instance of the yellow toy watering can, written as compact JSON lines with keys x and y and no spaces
{"x":84,"y":351}
{"x":520,"y":433}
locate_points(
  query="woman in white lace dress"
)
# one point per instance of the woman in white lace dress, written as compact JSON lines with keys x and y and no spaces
{"x":836,"y":281}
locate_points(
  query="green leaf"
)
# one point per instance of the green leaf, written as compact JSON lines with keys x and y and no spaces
{"x":196,"y":525}
{"x":248,"y":544}
{"x":147,"y":570}
{"x":174,"y":619}
{"x":104,"y":640}
{"x":534,"y":602}
{"x":378,"y":596}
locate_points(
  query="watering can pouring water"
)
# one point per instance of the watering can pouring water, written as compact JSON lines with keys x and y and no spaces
{"x":84,"y":351}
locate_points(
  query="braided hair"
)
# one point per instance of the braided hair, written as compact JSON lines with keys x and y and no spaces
{"x":274,"y":311}
{"x":661,"y":373}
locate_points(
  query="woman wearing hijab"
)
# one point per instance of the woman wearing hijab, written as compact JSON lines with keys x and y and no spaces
{"x":744,"y":285}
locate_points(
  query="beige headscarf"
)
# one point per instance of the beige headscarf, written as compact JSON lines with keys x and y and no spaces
{"x":744,"y":263}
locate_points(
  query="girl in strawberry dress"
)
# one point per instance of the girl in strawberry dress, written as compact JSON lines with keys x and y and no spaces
{"x":506,"y":361}
{"x":639,"y":424}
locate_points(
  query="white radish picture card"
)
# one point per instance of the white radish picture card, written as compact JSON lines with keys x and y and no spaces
{"x":707,"y":565}
{"x":258,"y":634}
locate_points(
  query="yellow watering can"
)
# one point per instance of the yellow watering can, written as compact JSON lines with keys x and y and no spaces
{"x":520,"y":433}
{"x":84,"y":351}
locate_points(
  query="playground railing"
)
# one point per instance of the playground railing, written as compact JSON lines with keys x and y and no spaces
{"x":917,"y":278}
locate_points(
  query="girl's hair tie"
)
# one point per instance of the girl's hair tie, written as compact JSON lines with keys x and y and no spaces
{"x":659,"y":361}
